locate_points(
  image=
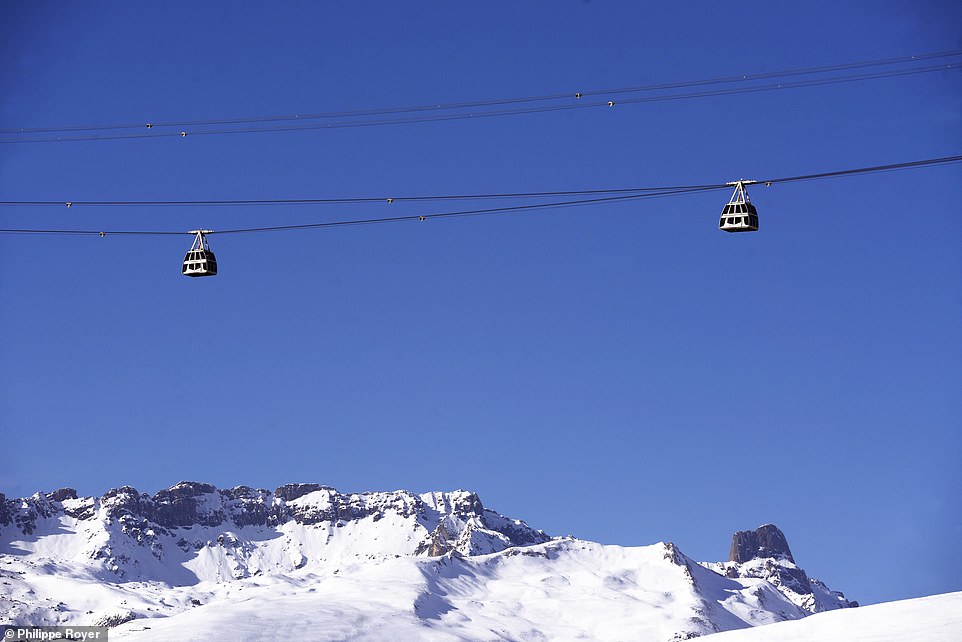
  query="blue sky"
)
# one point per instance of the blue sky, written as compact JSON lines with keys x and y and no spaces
{"x":624,"y":373}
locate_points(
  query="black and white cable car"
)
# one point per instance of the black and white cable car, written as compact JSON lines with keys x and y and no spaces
{"x":199,"y":260}
{"x":739,"y":215}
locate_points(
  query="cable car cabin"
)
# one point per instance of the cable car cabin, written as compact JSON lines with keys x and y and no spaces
{"x":199,"y":261}
{"x":739,"y":215}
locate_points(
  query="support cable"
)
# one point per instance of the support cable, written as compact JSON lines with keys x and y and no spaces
{"x":652,"y":193}
{"x":184,"y":129}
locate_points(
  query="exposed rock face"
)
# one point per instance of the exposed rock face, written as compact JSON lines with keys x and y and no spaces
{"x":764,"y":542}
{"x":184,"y":505}
{"x":290,"y":492}
{"x":62,"y":494}
{"x":439,"y":544}
{"x":5,"y":516}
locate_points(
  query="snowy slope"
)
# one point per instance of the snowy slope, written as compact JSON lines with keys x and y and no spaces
{"x":928,"y":619}
{"x":565,"y":589}
{"x":193,"y":560}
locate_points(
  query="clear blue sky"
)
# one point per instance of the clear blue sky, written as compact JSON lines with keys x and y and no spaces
{"x":624,"y":373}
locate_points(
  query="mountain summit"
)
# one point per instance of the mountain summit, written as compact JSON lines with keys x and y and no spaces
{"x":363,"y":565}
{"x":765,"y":541}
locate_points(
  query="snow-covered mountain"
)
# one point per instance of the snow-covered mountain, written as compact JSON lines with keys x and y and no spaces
{"x":197,"y":561}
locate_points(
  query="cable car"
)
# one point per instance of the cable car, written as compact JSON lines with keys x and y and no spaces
{"x":199,"y":260}
{"x":739,"y":215}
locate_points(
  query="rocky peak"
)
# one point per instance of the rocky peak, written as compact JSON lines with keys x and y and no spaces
{"x":766,"y":541}
{"x":186,"y":504}
{"x":125,"y":500}
{"x":290,"y":492}
{"x":63,"y":493}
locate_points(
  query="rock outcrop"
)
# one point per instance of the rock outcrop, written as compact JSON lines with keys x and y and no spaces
{"x":764,"y":542}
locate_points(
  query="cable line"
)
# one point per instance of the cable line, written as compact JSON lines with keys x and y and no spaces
{"x":475,"y":212}
{"x":348,"y":200}
{"x":387,"y":219}
{"x":650,"y":193}
{"x":461,"y":115}
{"x":867,"y":170}
{"x":500,"y":101}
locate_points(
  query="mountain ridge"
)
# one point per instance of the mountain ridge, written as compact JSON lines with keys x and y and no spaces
{"x":129,"y":556}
